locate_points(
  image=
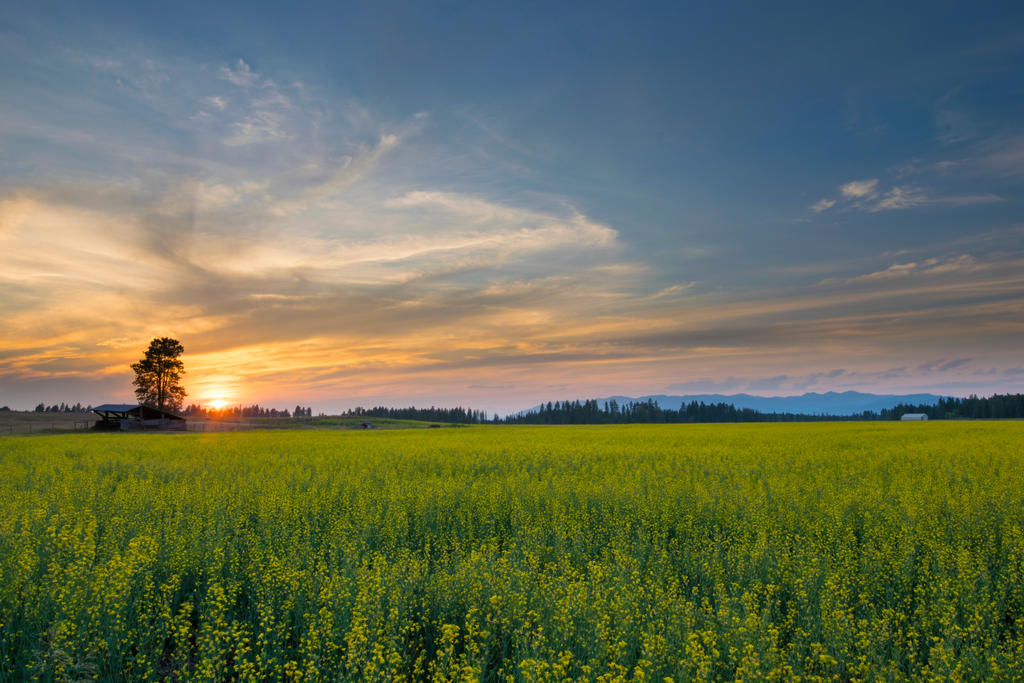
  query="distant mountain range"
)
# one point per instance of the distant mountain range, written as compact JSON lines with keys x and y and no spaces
{"x":829,"y":403}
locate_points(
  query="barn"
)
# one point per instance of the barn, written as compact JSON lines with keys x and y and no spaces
{"x":913,"y":417}
{"x":135,"y":418}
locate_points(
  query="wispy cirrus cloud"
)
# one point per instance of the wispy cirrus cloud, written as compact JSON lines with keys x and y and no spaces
{"x":218,"y":102}
{"x":239,"y":74}
{"x":907,"y":197}
{"x":859,"y":189}
{"x":964,"y":264}
{"x":261,"y":126}
{"x":942,"y":365}
{"x":468,"y":233}
{"x":865,"y":195}
{"x":1001,"y":155}
{"x":900,"y":198}
{"x":993,"y":158}
{"x":953,"y":364}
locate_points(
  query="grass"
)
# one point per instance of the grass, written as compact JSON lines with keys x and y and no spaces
{"x":16,"y":422}
{"x":844,"y":551}
{"x":339,"y":422}
{"x":25,"y":422}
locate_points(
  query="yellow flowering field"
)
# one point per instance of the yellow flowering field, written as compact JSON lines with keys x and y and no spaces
{"x":812,"y":552}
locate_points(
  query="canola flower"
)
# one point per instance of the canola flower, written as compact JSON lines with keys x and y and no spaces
{"x":802,"y":552}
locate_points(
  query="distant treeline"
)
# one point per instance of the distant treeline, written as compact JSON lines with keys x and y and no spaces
{"x":62,"y":408}
{"x":193,"y":410}
{"x":612,"y":412}
{"x":591,"y":412}
{"x":255,"y":410}
{"x":996,"y":406}
{"x":454,"y":415}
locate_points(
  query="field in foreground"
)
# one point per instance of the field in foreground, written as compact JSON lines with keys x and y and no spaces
{"x":868,"y":551}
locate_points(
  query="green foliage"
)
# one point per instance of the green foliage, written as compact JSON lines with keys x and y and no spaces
{"x":813,"y":552}
{"x":999,"y":406}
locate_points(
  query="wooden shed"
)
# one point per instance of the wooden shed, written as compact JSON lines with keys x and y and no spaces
{"x":135,"y":418}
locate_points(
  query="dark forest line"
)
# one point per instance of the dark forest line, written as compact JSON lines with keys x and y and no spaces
{"x":997,"y":406}
{"x":591,"y":412}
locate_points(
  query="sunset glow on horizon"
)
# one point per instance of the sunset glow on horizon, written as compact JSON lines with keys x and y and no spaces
{"x":498,"y":207}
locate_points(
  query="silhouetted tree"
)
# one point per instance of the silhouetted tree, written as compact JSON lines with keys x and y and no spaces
{"x":158,"y":375}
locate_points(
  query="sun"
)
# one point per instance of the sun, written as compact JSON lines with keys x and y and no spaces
{"x":218,"y":403}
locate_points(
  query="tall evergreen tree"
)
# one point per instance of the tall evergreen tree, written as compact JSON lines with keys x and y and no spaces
{"x":158,"y":375}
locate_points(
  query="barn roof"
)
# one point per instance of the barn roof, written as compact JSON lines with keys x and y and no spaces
{"x":135,"y":410}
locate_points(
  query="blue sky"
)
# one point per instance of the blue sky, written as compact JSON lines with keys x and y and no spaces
{"x":495,"y":204}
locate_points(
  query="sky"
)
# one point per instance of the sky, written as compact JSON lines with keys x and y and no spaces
{"x":496,"y":204}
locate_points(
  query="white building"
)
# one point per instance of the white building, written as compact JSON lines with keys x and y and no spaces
{"x":911,"y":417}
